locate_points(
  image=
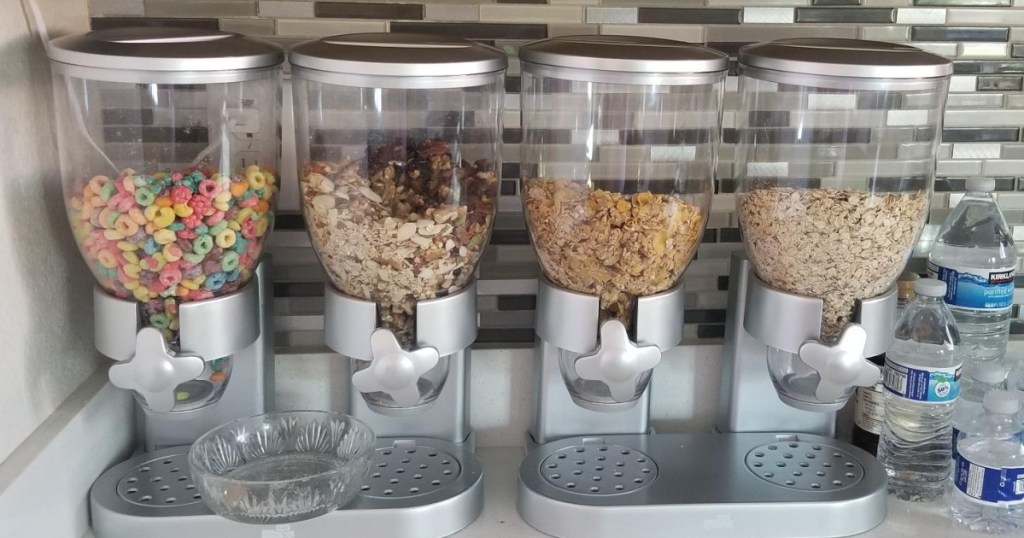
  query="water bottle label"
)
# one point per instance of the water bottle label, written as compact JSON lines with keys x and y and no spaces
{"x":869,"y":408}
{"x":922,"y":384}
{"x":989,"y":485}
{"x":975,"y":288}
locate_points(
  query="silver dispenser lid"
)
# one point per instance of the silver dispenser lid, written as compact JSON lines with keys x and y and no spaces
{"x":629,"y":57}
{"x":845,"y":58}
{"x":164,"y":50}
{"x":365,"y":58}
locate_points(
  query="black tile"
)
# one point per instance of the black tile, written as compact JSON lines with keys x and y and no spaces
{"x":663,"y":136}
{"x":508,"y":188}
{"x":358,"y":10}
{"x":729,"y":235}
{"x":710,"y":331}
{"x":517,"y":302}
{"x":522,"y":1}
{"x":511,"y":135}
{"x":476,"y":30}
{"x":359,"y":136}
{"x":289,"y":221}
{"x":835,"y":2}
{"x":102,"y":23}
{"x":298,"y":289}
{"x":183,"y":135}
{"x":668,"y":15}
{"x":128,"y":116}
{"x":449,"y":118}
{"x":513,"y":84}
{"x":704,"y":316}
{"x":732,"y":48}
{"x":769,"y":118}
{"x":504,"y":336}
{"x":997,"y":83}
{"x":988,"y":67}
{"x":855,"y":135}
{"x":510,"y":237}
{"x":547,"y":136}
{"x":948,"y":184}
{"x":971,"y":3}
{"x":842,"y":14}
{"x":980,"y":134}
{"x":325,"y":153}
{"x":879,"y":100}
{"x":710,"y":236}
{"x":510,"y":171}
{"x":723,"y":283}
{"x":959,"y":33}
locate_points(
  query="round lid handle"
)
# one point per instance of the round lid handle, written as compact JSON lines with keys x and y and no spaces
{"x":841,"y":365}
{"x":155,"y":370}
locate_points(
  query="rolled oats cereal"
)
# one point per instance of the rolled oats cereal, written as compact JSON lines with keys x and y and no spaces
{"x":405,"y":224}
{"x":616,"y":246}
{"x":837,"y":244}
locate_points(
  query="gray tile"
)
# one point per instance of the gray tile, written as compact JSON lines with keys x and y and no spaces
{"x":200,"y":8}
{"x":116,"y":8}
{"x":475,"y":30}
{"x":326,"y":27}
{"x":974,"y":100}
{"x":885,"y":33}
{"x":356,"y":10}
{"x":1009,"y":17}
{"x":1013,"y":151}
{"x":691,"y":33}
{"x":850,"y":15}
{"x":689,"y":16}
{"x":557,"y":30}
{"x":958,"y":33}
{"x":621,"y":15}
{"x":521,"y":1}
{"x":527,"y":13}
{"x":101,"y":23}
{"x":1017,"y":50}
{"x":835,"y":2}
{"x":958,"y":168}
{"x":978,"y":134}
{"x":988,"y":67}
{"x":962,"y":2}
{"x":1000,"y":83}
{"x":254,"y":27}
{"x":282,"y":9}
{"x":452,"y":12}
{"x":984,"y":118}
{"x":750,"y":33}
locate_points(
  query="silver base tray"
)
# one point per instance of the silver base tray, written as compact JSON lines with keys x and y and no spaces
{"x":709,"y":485}
{"x":420,"y":488}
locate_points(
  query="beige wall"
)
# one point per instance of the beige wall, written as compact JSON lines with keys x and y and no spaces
{"x":45,"y":309}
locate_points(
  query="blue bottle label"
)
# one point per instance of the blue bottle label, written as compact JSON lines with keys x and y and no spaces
{"x":922,"y":384}
{"x":989,"y":485}
{"x":975,"y":288}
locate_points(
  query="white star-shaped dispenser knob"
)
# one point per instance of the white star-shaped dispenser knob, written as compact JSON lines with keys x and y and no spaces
{"x":393,"y":370}
{"x":155,"y":370}
{"x":840,"y":366}
{"x":617,"y":361}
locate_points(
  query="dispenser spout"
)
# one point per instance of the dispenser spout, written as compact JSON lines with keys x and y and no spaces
{"x":618,"y":362}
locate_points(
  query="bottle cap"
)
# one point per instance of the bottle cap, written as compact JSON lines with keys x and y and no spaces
{"x":905,"y":285}
{"x":980,"y":184}
{"x":990,"y":373}
{"x":1001,"y":401}
{"x":930,"y":287}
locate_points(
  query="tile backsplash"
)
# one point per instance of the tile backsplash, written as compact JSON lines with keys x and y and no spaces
{"x":981,"y":135}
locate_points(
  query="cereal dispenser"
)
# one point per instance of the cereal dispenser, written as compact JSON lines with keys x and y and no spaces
{"x":398,"y":143}
{"x":169,"y":146}
{"x":835,"y":162}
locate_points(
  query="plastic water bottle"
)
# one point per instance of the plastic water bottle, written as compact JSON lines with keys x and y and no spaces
{"x":988,"y":493}
{"x":974,"y":255}
{"x":922,"y":382}
{"x":985,"y":377}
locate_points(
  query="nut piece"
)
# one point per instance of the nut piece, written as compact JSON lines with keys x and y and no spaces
{"x":392,"y":231}
{"x":837,"y":244}
{"x":608,"y":244}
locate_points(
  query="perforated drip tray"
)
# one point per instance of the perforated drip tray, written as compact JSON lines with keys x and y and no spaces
{"x":716,"y":485}
{"x":153,"y":495}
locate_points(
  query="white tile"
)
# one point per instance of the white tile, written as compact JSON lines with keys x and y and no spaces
{"x":958,"y":168}
{"x":963,"y":83}
{"x":286,"y":9}
{"x":780,"y":169}
{"x":975,"y":100}
{"x":994,"y":16}
{"x":977,"y":150}
{"x":673,"y":153}
{"x":1004,"y":167}
{"x":768,"y":15}
{"x":921,"y":16}
{"x":831,"y":101}
{"x":984,"y":50}
{"x":906,"y":117}
{"x":609,"y":15}
{"x":941,"y":48}
{"x":984,"y":118}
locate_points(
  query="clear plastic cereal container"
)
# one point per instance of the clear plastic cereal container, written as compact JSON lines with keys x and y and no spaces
{"x":620,"y":143}
{"x":398,"y":138}
{"x":169,"y":147}
{"x":835,"y":161}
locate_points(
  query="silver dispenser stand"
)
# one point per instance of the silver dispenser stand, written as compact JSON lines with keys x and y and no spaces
{"x":775,"y":471}
{"x":426,"y":480}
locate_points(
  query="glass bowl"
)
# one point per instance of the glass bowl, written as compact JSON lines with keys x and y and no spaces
{"x":282,"y":467}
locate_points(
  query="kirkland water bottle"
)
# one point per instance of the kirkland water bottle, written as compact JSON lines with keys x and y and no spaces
{"x":988,"y":493}
{"x":922,"y":382}
{"x":976,"y":383}
{"x":974,"y":255}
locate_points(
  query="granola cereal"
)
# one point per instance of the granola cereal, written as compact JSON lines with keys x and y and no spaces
{"x":837,"y":244}
{"x":612,"y":245}
{"x":405,"y":224}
